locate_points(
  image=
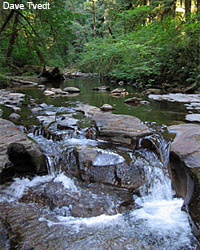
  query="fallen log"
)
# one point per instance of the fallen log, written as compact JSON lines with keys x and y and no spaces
{"x":52,"y":74}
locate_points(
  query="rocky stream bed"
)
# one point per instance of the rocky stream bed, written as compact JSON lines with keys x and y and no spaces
{"x":77,"y":175}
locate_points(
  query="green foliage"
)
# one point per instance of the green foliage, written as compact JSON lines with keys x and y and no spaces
{"x":36,"y":36}
{"x":162,"y":52}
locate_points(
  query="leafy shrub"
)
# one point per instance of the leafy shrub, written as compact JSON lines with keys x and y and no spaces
{"x":161,"y":52}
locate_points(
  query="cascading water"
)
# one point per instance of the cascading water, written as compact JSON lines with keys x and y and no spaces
{"x":156,"y":222}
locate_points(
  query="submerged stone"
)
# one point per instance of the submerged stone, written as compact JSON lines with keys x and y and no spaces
{"x":102,"y":88}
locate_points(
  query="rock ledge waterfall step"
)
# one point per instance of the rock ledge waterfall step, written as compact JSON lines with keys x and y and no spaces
{"x":115,"y":128}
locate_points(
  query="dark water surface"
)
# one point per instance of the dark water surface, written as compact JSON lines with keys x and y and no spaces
{"x":160,"y":112}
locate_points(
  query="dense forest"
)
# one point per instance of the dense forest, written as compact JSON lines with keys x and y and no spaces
{"x":146,"y":42}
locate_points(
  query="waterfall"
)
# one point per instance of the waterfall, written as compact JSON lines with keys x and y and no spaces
{"x":158,"y":185}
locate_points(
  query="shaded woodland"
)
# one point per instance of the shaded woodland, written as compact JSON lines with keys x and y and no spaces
{"x":145,"y":42}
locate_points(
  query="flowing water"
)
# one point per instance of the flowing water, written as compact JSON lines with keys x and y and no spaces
{"x":155,"y":221}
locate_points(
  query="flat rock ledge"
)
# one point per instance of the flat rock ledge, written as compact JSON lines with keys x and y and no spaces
{"x":123,"y":129}
{"x":185,"y":169}
{"x":18,"y":154}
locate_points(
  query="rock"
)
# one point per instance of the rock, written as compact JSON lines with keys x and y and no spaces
{"x":185,"y":169}
{"x":48,"y":92}
{"x":178,"y":97}
{"x":69,"y":123}
{"x":115,"y":128}
{"x":102,"y":88}
{"x":46,"y":120}
{"x":41,"y":86}
{"x":57,"y":91}
{"x":144,"y":102}
{"x":12,"y":142}
{"x":20,"y":158}
{"x":50,"y":113}
{"x":151,"y":91}
{"x":101,"y":166}
{"x":121,"y":83}
{"x":193,"y":117}
{"x":1,"y":113}
{"x":14,"y":108}
{"x":134,"y":100}
{"x":4,"y":235}
{"x":86,"y":200}
{"x":119,"y":128}
{"x":107,"y":107}
{"x":42,"y":217}
{"x":14,"y":117}
{"x":36,"y":110}
{"x":26,"y":83}
{"x":186,"y":144}
{"x":11,"y":100}
{"x":43,"y":105}
{"x":71,"y":89}
{"x":118,"y":90}
{"x":88,"y":110}
{"x":80,"y":74}
{"x":66,"y":116}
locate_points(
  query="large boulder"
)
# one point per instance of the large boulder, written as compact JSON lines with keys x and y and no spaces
{"x":119,"y":128}
{"x":185,"y":169}
{"x":18,"y":154}
{"x":100,"y":166}
{"x":123,"y":129}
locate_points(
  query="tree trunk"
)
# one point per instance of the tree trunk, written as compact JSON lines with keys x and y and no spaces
{"x":198,"y":6}
{"x":94,"y":18}
{"x":13,"y":36}
{"x":7,"y":20}
{"x":187,"y":9}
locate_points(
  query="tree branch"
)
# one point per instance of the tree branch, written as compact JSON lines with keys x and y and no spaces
{"x":7,"y":20}
{"x":27,"y":22}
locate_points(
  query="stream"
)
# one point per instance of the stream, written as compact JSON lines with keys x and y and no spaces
{"x":59,"y":211}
